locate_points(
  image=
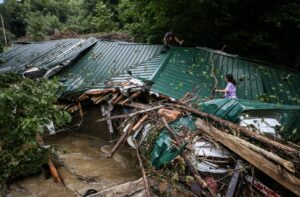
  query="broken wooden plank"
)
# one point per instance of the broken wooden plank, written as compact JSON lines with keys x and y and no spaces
{"x":121,"y":139}
{"x":253,"y":135}
{"x":142,"y":169}
{"x":280,"y":175}
{"x":126,"y":133}
{"x":136,"y":94}
{"x":130,"y":115}
{"x":138,"y":105}
{"x":234,"y":179}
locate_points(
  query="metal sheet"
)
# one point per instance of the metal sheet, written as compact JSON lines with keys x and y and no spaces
{"x":258,"y":81}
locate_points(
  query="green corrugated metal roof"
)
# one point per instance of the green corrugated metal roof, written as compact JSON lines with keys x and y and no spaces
{"x":188,"y":68}
{"x":105,"y":61}
{"x":44,"y":54}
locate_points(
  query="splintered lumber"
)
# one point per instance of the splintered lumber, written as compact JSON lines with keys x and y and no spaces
{"x":194,"y":172}
{"x":80,"y":109}
{"x":126,"y":133}
{"x":98,"y":91}
{"x":136,"y":94}
{"x":168,"y":114}
{"x":121,"y":140}
{"x":253,"y":135}
{"x":142,"y":169}
{"x":234,"y":179}
{"x":137,"y":105}
{"x":118,"y":99}
{"x":280,"y":175}
{"x":129,"y":115}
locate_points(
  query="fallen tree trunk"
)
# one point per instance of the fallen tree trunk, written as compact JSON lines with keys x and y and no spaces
{"x":142,"y":169}
{"x":283,"y":177}
{"x":286,"y":164}
{"x":266,"y":141}
{"x":195,"y":173}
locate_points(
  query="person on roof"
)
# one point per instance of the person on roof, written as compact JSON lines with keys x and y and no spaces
{"x":169,"y":38}
{"x":230,"y":90}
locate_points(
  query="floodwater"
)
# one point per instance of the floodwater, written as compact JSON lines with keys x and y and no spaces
{"x":85,"y":166}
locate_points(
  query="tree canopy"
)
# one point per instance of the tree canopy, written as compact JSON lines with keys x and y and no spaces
{"x":267,"y":30}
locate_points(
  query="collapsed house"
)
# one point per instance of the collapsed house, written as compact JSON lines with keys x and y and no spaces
{"x":162,"y":104}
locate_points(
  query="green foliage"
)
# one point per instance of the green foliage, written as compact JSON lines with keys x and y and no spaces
{"x":267,"y":30}
{"x":26,"y":107}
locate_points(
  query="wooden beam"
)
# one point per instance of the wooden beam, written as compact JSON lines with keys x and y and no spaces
{"x":280,"y":175}
{"x":266,"y":141}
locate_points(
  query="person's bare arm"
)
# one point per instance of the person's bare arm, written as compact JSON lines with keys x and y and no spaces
{"x":178,"y":41}
{"x":224,"y":90}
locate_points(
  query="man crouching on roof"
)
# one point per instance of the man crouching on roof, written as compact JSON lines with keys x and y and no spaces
{"x":168,"y":39}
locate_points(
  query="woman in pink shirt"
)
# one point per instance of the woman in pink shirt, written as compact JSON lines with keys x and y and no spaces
{"x":230,"y":90}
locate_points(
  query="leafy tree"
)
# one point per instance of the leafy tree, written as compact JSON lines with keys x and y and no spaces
{"x":26,"y":107}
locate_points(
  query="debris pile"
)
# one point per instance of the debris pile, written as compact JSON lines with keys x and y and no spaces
{"x":184,"y":149}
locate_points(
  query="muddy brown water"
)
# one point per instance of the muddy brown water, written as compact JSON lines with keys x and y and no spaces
{"x":85,"y":165}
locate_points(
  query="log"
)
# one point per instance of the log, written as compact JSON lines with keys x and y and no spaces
{"x":142,"y":169}
{"x":125,"y":134}
{"x":129,"y":115}
{"x":266,"y":141}
{"x":194,"y":172}
{"x":286,"y":164}
{"x":283,"y":177}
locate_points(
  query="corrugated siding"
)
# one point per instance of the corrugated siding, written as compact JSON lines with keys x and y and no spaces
{"x":106,"y":60}
{"x":44,"y":54}
{"x":189,"y":70}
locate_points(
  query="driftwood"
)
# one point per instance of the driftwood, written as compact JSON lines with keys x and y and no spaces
{"x":129,"y":115}
{"x":129,"y":130}
{"x":286,"y":164}
{"x":142,"y":169}
{"x":195,"y":173}
{"x":266,"y":141}
{"x":234,"y":179}
{"x":283,"y":177}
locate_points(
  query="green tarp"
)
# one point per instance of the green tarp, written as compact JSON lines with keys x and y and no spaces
{"x":163,"y":151}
